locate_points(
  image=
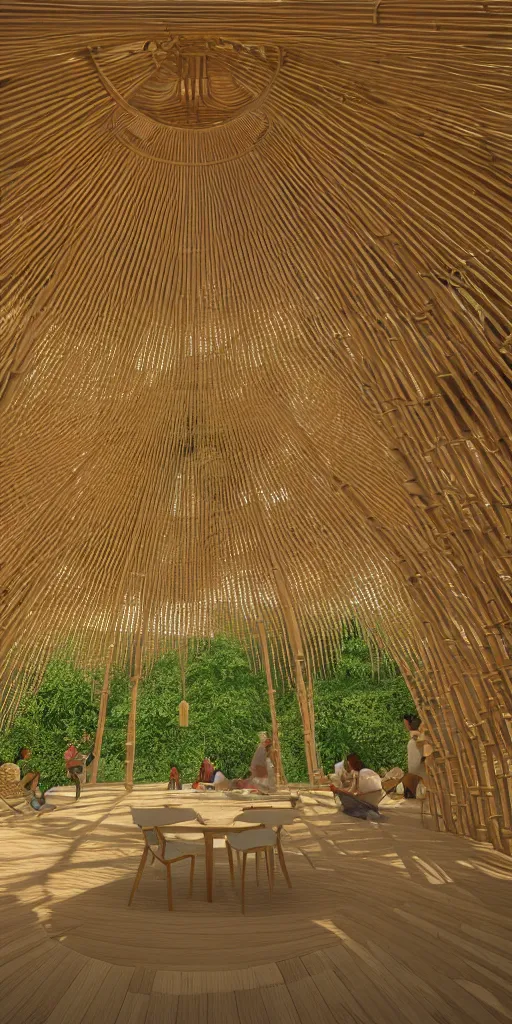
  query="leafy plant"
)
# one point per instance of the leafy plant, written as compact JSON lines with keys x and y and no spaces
{"x":356,"y":709}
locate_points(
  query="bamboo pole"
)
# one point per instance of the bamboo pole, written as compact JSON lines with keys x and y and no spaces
{"x":135,"y":680}
{"x":295,"y":640}
{"x":102,"y":715}
{"x":276,"y":746}
{"x":132,"y":718}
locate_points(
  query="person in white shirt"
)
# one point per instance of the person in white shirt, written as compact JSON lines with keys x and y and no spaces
{"x":341,"y":775}
{"x":365,"y":783}
{"x":219,"y":780}
{"x":416,"y":771}
{"x":362,"y":792}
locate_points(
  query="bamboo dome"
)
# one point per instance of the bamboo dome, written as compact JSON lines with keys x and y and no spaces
{"x":256,"y":347}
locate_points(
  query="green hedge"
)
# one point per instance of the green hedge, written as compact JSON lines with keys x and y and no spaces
{"x":356,"y":709}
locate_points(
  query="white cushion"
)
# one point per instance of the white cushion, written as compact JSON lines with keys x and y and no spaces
{"x":251,"y":838}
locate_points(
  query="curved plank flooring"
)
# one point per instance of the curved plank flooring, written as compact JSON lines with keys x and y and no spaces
{"x":388,"y":923}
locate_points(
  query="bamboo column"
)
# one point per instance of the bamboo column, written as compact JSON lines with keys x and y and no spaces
{"x":276,"y":746}
{"x":131,"y":730}
{"x":135,"y":680}
{"x":295,"y":640}
{"x":102,"y":715}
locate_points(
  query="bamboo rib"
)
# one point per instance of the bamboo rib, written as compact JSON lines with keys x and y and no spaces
{"x":255,"y":320}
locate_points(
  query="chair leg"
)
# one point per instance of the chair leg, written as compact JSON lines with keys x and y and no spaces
{"x":191,"y":880}
{"x":138,"y":876}
{"x":231,"y":864}
{"x":169,"y":885}
{"x":269,"y":860}
{"x":257,"y":861}
{"x":244,"y":865}
{"x":282,"y":862}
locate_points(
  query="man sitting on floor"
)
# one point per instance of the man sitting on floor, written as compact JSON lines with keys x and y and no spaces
{"x":359,"y":797}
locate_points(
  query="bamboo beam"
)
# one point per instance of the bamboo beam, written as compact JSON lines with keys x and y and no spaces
{"x":276,"y":746}
{"x":102,"y":716}
{"x":295,"y":640}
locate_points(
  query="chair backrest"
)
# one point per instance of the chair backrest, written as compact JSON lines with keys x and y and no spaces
{"x":10,"y":784}
{"x":159,"y":817}
{"x":270,"y":816}
{"x":145,"y":817}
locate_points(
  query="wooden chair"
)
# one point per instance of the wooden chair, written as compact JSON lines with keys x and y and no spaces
{"x":275,"y":818}
{"x":258,"y":840}
{"x":13,"y":794}
{"x":166,"y":851}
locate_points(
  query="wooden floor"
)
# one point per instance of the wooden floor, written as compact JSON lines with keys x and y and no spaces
{"x":385,"y":924}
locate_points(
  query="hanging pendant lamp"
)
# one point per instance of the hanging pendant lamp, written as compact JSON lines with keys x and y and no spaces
{"x":183,"y":713}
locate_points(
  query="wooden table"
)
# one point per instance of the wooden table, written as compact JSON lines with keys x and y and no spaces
{"x":210,"y":832}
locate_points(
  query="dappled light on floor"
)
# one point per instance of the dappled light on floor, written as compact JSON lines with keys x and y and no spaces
{"x":393,"y":923}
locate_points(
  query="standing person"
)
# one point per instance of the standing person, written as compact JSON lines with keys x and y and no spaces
{"x":416,"y":771}
{"x":259,"y":767}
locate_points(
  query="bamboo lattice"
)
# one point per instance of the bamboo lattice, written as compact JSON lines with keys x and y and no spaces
{"x":256,"y":346}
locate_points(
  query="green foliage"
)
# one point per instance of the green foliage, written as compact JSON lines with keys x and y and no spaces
{"x":359,"y":709}
{"x":58,"y":713}
{"x":356,"y":709}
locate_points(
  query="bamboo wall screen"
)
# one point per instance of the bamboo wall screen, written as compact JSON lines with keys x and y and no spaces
{"x":255,"y":356}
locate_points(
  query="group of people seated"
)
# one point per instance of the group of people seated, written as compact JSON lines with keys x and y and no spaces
{"x":18,"y":779}
{"x":22,"y":778}
{"x":360,"y":789}
{"x":260,"y":778}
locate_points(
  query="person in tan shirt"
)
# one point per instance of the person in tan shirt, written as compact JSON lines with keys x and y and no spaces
{"x":259,"y":766}
{"x":418,"y":749}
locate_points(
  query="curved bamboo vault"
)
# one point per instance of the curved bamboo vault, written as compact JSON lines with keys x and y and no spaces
{"x":256,"y":352}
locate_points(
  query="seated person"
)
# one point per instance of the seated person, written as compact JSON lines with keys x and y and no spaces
{"x":206,"y":774}
{"x":77,"y":763}
{"x":206,"y":771}
{"x":29,"y":779}
{"x":360,"y":796}
{"x":13,"y":792}
{"x":174,"y":778}
{"x":243,"y":783}
{"x":341,"y":775}
{"x":220,"y":781}
{"x":259,"y":765}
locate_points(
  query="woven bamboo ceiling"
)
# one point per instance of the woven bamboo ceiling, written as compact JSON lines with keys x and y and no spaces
{"x":255,"y":292}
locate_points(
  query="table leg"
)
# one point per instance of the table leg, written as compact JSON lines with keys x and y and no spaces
{"x":208,"y":851}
